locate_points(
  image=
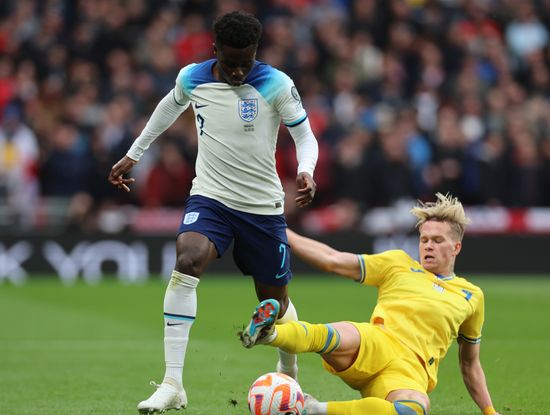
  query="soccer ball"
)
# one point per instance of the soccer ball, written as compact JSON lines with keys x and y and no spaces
{"x":275,"y":394}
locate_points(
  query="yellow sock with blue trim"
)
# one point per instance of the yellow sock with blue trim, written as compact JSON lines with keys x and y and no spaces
{"x":409,"y":407}
{"x":375,"y":406}
{"x":300,"y":337}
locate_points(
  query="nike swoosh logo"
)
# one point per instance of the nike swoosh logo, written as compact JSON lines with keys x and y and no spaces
{"x":173,"y":324}
{"x":281,"y":275}
{"x":197,"y":106}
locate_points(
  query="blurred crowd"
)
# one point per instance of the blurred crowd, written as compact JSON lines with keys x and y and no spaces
{"x":406,"y":98}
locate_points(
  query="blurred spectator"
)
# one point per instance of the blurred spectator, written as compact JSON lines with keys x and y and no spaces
{"x":66,"y":166}
{"x":493,"y":161}
{"x":525,"y":34}
{"x":169,"y":179}
{"x":7,"y":90}
{"x":19,"y":155}
{"x":391,"y":172}
{"x":353,"y":156}
{"x":545,"y":169}
{"x":525,"y":180}
{"x":456,"y":168}
{"x":194,"y":44}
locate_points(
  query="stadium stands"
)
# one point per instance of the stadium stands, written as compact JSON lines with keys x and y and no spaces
{"x":406,"y":97}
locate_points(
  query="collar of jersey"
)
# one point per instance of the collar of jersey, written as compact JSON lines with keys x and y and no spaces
{"x":211,"y":72}
{"x":445,"y":277}
{"x":438,"y":276}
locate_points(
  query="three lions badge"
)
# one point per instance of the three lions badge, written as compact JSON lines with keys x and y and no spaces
{"x":248,"y":109}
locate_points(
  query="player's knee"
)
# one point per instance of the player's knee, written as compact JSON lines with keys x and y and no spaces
{"x":409,"y":407}
{"x":187,"y":264}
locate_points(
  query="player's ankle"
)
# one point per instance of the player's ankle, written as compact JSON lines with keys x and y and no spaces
{"x":317,"y":408}
{"x":269,"y":338}
{"x":288,"y":369}
{"x":173,"y":382}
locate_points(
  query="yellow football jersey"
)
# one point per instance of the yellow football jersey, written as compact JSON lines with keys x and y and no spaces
{"x":423,"y":310}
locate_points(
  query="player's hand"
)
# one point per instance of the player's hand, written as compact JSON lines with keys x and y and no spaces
{"x":306,"y":189}
{"x":123,"y":166}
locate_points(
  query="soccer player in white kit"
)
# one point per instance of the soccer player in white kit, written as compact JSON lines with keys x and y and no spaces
{"x":236,"y":195}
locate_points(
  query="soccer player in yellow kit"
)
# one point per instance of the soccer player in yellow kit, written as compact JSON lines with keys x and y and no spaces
{"x":422,"y":307}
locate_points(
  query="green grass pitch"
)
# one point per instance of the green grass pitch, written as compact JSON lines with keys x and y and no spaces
{"x":93,"y":349}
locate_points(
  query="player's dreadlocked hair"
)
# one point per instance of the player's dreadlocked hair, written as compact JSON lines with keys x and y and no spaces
{"x":237,"y":30}
{"x":446,"y":209}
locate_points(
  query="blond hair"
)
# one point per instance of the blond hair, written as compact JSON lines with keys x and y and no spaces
{"x":445,"y":209}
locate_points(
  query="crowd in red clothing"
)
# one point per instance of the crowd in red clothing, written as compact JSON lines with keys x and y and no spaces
{"x":406,"y":98}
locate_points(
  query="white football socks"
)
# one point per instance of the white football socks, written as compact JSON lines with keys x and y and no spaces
{"x":288,"y":362}
{"x":180,"y":309}
{"x":317,"y":408}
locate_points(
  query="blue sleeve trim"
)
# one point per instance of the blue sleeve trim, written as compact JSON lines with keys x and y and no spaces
{"x":294,"y":124}
{"x":469,"y":339}
{"x":363,"y":270}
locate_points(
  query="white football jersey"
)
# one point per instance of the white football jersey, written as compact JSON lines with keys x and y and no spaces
{"x":237,"y":130}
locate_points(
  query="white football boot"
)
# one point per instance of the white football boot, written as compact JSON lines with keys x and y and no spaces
{"x":166,"y":397}
{"x":262,"y":324}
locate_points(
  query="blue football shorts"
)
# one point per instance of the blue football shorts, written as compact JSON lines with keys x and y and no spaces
{"x":260,"y":243}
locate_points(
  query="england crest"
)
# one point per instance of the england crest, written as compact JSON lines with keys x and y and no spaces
{"x":248,"y":109}
{"x":190,"y":218}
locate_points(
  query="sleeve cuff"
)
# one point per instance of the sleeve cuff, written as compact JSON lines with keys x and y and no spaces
{"x":471,"y":340}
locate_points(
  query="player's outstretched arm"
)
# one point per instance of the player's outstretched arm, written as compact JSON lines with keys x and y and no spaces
{"x":474,"y":377}
{"x":123,"y":166}
{"x":324,"y":257}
